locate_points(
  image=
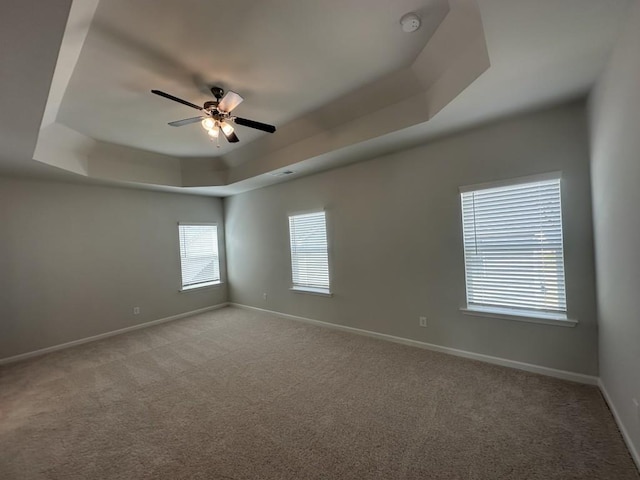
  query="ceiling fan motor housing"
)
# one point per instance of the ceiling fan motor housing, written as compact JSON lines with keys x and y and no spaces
{"x":217,"y":92}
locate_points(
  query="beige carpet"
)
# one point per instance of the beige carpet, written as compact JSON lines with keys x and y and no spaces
{"x":234,"y":394}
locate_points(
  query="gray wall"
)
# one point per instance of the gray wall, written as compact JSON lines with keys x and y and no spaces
{"x":615,"y":156}
{"x":395,"y":239}
{"x":75,"y":260}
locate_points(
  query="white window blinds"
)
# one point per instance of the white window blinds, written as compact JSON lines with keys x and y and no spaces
{"x":513,"y":249}
{"x":199,"y":255}
{"x":309,"y":257}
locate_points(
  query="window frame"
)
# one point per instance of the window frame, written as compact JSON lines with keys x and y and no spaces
{"x":547,"y":318}
{"x":308,"y":289}
{"x":202,"y":285}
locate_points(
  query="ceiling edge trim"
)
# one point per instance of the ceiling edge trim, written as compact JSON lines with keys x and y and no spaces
{"x":75,"y":33}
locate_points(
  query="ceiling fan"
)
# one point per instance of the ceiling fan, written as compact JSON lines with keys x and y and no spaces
{"x":216,"y":115}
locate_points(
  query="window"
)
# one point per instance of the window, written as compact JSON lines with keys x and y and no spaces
{"x":199,"y":255}
{"x":309,"y":258}
{"x":513,"y":252}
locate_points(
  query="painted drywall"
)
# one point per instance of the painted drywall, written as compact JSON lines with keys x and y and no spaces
{"x":394,"y":227}
{"x":615,"y":166}
{"x":76,"y":259}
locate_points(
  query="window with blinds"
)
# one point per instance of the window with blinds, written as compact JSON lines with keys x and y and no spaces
{"x":513,"y":248}
{"x":199,"y":255}
{"x":309,"y":257}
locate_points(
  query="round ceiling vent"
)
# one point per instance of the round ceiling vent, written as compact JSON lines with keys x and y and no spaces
{"x":410,"y":22}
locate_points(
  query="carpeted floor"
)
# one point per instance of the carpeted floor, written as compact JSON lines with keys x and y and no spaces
{"x":236,"y":394}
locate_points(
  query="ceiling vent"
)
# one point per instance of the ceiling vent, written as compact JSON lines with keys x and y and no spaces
{"x":283,"y":173}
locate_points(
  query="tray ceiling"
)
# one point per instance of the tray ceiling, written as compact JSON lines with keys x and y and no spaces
{"x":340,"y":80}
{"x":285,"y":57}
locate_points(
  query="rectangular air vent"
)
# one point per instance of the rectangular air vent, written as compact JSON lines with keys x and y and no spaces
{"x":282,"y":173}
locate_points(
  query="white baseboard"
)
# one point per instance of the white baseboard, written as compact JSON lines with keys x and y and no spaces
{"x":635,"y":453}
{"x":42,"y":351}
{"x":551,"y":372}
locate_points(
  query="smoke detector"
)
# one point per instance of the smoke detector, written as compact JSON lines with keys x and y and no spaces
{"x":410,"y":22}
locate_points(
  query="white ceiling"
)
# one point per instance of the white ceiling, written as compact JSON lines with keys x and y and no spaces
{"x":542,"y":52}
{"x":287,"y":58}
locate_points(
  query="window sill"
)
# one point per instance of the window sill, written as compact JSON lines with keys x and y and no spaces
{"x":199,"y":286}
{"x":323,"y":292}
{"x":544,"y":320}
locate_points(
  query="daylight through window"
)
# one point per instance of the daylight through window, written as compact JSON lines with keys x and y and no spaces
{"x":199,"y":255}
{"x":309,"y":256}
{"x":513,"y":249}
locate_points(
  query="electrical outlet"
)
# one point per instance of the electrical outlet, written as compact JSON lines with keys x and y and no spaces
{"x":264,"y":296}
{"x":136,"y":310}
{"x":637,"y":404}
{"x":423,"y":321}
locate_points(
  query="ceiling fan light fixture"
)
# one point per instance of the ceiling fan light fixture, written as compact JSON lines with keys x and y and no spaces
{"x":226,"y":128}
{"x":208,"y":123}
{"x":214,"y":132}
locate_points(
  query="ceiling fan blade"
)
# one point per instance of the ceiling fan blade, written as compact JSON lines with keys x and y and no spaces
{"x":230,"y":101}
{"x":186,"y":121}
{"x":176,"y":99}
{"x":253,"y":124}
